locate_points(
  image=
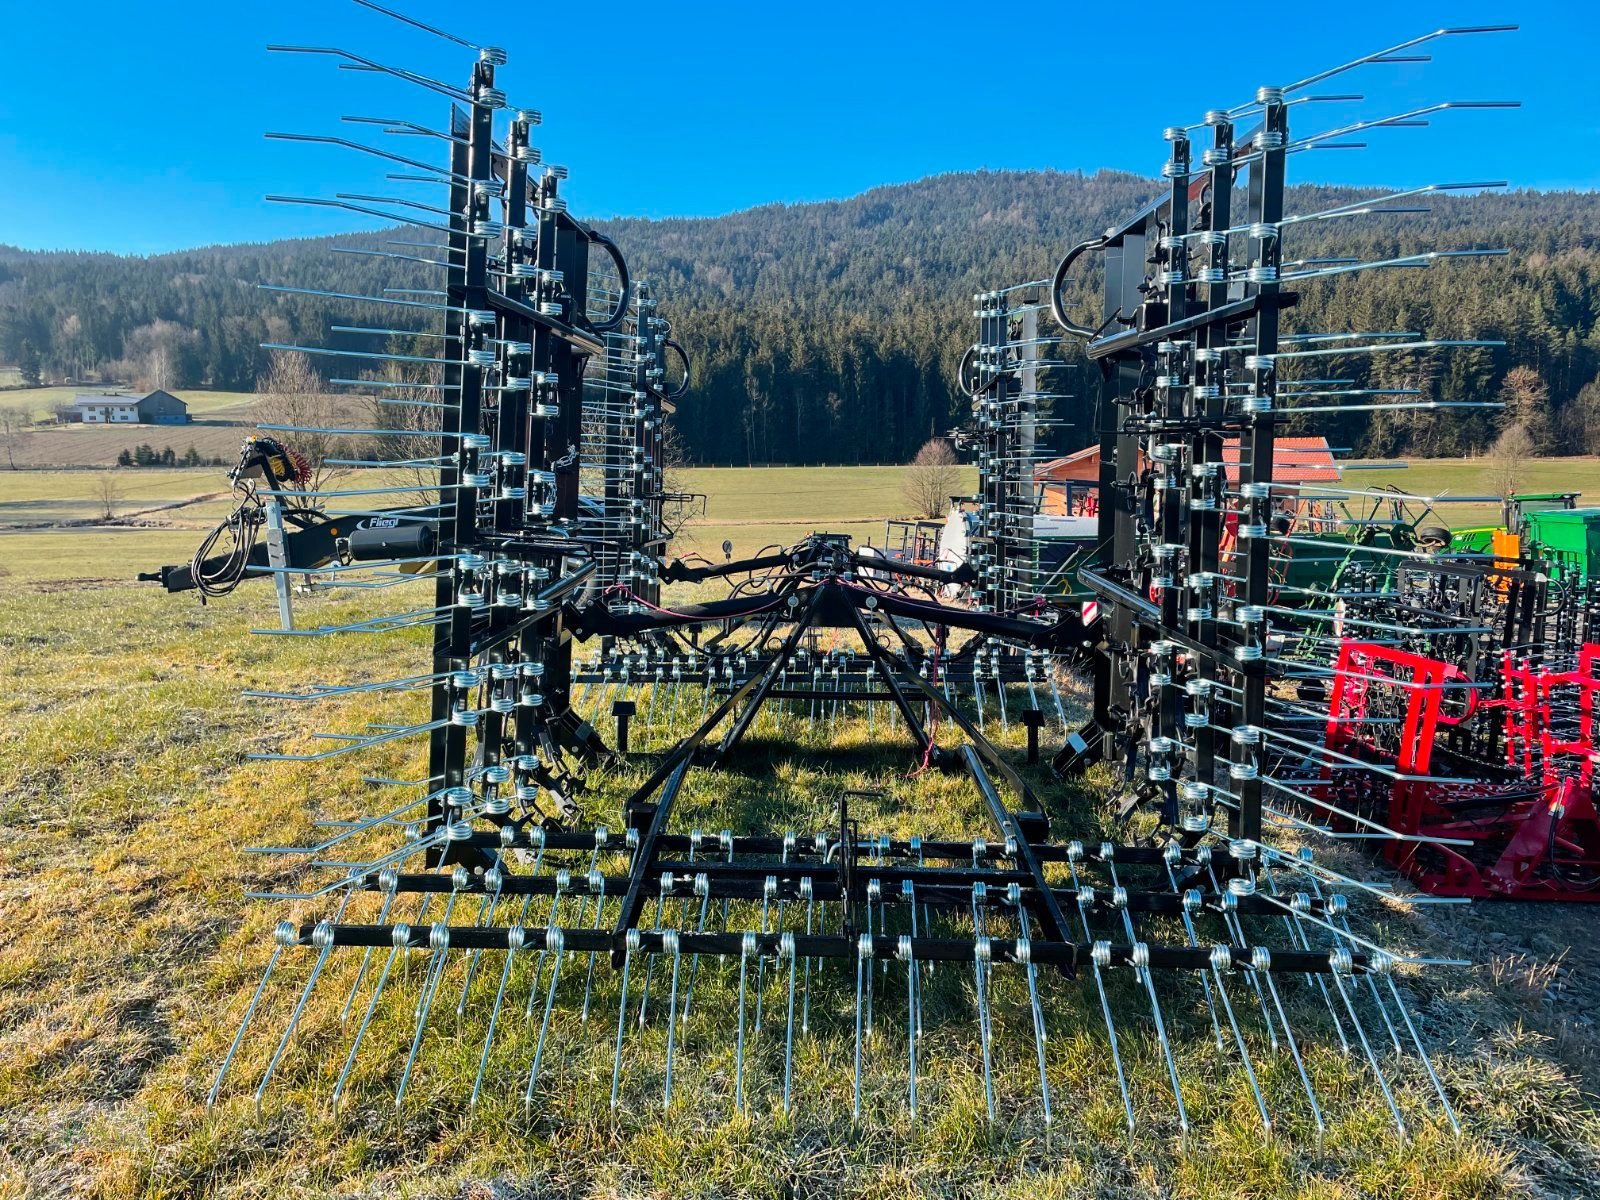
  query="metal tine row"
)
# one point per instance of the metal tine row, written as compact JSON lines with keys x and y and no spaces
{"x":994,"y":916}
{"x":662,"y":687}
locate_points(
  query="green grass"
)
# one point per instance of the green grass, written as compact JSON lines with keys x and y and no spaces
{"x":31,"y":498}
{"x":127,"y":956}
{"x":41,"y":402}
{"x":1467,"y":477}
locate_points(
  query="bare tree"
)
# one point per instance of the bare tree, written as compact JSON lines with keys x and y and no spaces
{"x":1507,"y":459}
{"x":107,"y":491}
{"x":14,"y":421}
{"x":406,"y":411}
{"x":156,"y":354}
{"x":291,"y":393}
{"x":931,"y":479}
{"x":1580,"y":420}
{"x":1527,"y":403}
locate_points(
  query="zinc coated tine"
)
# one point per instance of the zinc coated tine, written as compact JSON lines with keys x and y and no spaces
{"x":1024,"y":955}
{"x":807,"y":894}
{"x":1230,"y":919}
{"x":863,"y":956}
{"x":400,"y":945}
{"x":1194,"y":940}
{"x":439,"y":941}
{"x":631,"y":945}
{"x":1141,"y":971}
{"x":597,"y":885}
{"x":702,"y":887}
{"x":516,"y":936}
{"x":249,"y":1013}
{"x":1105,"y":1002}
{"x":486,"y":911}
{"x":769,"y":889}
{"x":670,"y":945}
{"x":981,"y":957}
{"x":1427,"y":1064}
{"x":913,"y":1016}
{"x":649,"y":968}
{"x":873,"y":885}
{"x":747,"y":950}
{"x":366,"y":957}
{"x":786,"y":949}
{"x":1299,"y":940}
{"x":563,"y":882}
{"x":555,"y":943}
{"x":1262,"y":956}
{"x":1221,"y":960}
{"x":1340,"y":960}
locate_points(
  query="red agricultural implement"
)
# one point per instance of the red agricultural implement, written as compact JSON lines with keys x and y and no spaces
{"x":1526,"y":828}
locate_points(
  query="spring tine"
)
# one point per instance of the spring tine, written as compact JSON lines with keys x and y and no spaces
{"x":486,"y":911}
{"x":1000,"y":694}
{"x":366,"y":957}
{"x":439,"y":940}
{"x":1100,"y":986}
{"x":1194,"y":940}
{"x":805,"y":1016}
{"x":1427,"y":1065}
{"x":563,"y":883}
{"x":981,"y":957}
{"x":977,"y":692}
{"x":249,"y":1012}
{"x":786,"y":950}
{"x":1299,"y":939}
{"x":321,"y":936}
{"x":863,"y":955}
{"x":1024,"y":956}
{"x":905,"y":954}
{"x":649,"y":962}
{"x":1340,"y":959}
{"x":402,"y":934}
{"x":631,"y":945}
{"x":702,"y":887}
{"x":516,"y":936}
{"x":1377,"y":999}
{"x":769,"y":889}
{"x":669,"y":944}
{"x":1221,"y":960}
{"x":1261,"y":959}
{"x":597,"y":886}
{"x":747,"y":950}
{"x":556,"y":944}
{"x":874,"y":887}
{"x":1231,"y":919}
{"x":1141,"y":963}
{"x":1061,"y":711}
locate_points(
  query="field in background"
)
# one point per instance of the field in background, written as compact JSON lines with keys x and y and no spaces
{"x":130,"y":954}
{"x":41,"y":402}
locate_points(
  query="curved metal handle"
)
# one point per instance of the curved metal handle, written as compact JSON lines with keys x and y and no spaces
{"x":614,"y":321}
{"x":1057,"y":309}
{"x":968,"y":383}
{"x":683,"y":388}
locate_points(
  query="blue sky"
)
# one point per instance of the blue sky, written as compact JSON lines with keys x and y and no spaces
{"x":136,"y":126}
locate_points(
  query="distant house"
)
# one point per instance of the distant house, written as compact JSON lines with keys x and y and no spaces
{"x":1065,"y":482}
{"x":157,"y":408}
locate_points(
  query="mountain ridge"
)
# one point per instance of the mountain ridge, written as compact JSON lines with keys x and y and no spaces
{"x":829,"y":330}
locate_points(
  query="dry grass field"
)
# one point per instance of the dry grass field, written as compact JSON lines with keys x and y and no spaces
{"x":127,"y":953}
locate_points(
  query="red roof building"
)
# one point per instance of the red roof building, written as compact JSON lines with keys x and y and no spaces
{"x":1295,"y":460}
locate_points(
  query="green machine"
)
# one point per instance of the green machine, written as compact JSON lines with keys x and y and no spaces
{"x":1568,"y":539}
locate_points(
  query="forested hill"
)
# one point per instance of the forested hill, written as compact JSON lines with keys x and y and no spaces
{"x":830,"y":332}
